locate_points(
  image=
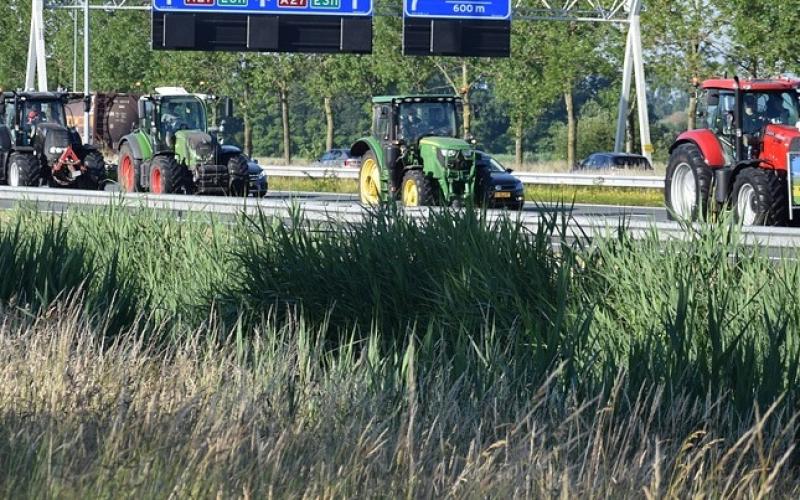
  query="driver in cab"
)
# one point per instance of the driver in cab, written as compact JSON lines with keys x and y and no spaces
{"x":410,"y":125}
{"x":172,"y":118}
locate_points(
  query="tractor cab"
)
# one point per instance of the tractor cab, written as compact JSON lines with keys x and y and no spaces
{"x":762,"y":104}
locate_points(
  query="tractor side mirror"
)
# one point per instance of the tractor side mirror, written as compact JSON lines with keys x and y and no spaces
{"x":228,"y":107}
{"x":169,"y":139}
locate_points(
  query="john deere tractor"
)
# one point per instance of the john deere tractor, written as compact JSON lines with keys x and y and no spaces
{"x":174,"y":151}
{"x":37,"y":147}
{"x":415,"y":153}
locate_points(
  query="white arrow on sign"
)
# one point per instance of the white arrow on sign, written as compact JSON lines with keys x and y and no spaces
{"x":414,"y":5}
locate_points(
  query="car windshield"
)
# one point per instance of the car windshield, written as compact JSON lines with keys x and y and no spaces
{"x":427,"y":118}
{"x":492,"y":164}
{"x":761,"y":108}
{"x":35,"y":112}
{"x":182,"y":113}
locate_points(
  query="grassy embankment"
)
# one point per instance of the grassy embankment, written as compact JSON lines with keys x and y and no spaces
{"x":142,"y":356}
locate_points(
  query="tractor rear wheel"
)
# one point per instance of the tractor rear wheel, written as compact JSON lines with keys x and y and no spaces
{"x":95,"y":175}
{"x":687,"y":186}
{"x":760,"y":198}
{"x":239,"y":175}
{"x":166,"y":176}
{"x":23,"y":170}
{"x":369,"y":180}
{"x":130,"y":170}
{"x":418,"y":190}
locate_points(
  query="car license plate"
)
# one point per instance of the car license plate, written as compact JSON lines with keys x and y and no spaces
{"x":502,"y":194}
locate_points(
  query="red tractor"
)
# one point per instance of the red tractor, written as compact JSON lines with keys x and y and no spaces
{"x":745,"y":155}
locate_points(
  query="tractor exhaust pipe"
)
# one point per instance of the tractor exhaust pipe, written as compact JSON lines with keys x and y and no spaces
{"x":739,"y":117}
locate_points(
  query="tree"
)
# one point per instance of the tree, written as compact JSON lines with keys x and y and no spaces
{"x":520,"y":83}
{"x":680,"y":38}
{"x":282,"y":74}
{"x":572,"y":53}
{"x":14,"y":25}
{"x":337,"y":77}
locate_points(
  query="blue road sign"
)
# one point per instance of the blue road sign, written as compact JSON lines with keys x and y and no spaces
{"x":315,"y":7}
{"x":459,"y":9}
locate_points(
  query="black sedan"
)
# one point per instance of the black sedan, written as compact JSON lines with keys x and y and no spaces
{"x":496,"y":187}
{"x":608,"y":161}
{"x":258,"y":179}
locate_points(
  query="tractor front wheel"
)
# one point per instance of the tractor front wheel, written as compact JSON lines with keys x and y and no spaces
{"x":369,"y":180}
{"x":687,"y":186}
{"x":239,"y":175}
{"x":760,"y":198}
{"x":166,"y":176}
{"x":129,"y":172}
{"x":23,"y":170}
{"x":95,"y":174}
{"x":417,"y":190}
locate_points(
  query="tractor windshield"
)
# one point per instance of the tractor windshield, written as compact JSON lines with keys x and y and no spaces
{"x":35,"y":112}
{"x":418,"y":119}
{"x":182,"y":113}
{"x":762,"y":108}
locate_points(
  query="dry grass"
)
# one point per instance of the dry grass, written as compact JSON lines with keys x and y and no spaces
{"x":276,"y":415}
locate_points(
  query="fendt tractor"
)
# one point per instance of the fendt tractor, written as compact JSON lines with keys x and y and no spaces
{"x":37,"y":147}
{"x":174,"y":151}
{"x":745,"y":155}
{"x":415,"y":153}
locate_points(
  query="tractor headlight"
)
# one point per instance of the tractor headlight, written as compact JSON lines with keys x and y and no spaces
{"x":449,"y":153}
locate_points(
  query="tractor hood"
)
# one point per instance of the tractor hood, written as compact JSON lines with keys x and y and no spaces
{"x":445,"y":143}
{"x":196,"y":147}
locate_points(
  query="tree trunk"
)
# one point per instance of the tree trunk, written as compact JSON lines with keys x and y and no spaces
{"x":328,"y":123}
{"x":572,"y":126}
{"x":518,"y":153}
{"x":691,"y":111}
{"x":465,"y":84}
{"x":248,"y":135}
{"x":248,"y":126}
{"x":287,"y":144}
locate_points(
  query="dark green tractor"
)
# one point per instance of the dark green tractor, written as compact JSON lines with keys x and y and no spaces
{"x":174,"y":151}
{"x":416,"y":153}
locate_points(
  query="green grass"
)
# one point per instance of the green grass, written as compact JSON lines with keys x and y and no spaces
{"x":144,"y":356}
{"x":533,"y":194}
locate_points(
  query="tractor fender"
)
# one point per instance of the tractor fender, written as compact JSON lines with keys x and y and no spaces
{"x":707,"y":142}
{"x":132,"y":143}
{"x":5,"y":139}
{"x":361,"y":146}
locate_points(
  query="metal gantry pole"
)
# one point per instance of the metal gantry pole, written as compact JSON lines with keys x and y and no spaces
{"x":634,"y":63}
{"x":37,"y":64}
{"x":87,"y":137}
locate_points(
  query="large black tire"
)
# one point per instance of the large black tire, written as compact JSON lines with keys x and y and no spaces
{"x":760,"y":198}
{"x":129,"y":171}
{"x":369,"y":180}
{"x":23,"y":170}
{"x":418,"y":190}
{"x":239,"y":175}
{"x":687,"y":168}
{"x":166,"y":175}
{"x":95,"y":175}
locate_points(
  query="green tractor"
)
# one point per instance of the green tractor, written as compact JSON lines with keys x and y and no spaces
{"x":415,"y":153}
{"x":173,"y":150}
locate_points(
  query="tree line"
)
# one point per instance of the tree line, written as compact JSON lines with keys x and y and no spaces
{"x":553,"y":99}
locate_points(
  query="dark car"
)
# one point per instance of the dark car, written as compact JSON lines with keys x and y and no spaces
{"x":609,"y":161}
{"x":496,"y":187}
{"x":258,"y":179}
{"x":336,"y":158}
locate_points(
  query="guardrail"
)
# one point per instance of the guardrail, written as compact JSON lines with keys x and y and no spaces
{"x":775,"y":239}
{"x":532,"y":178}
